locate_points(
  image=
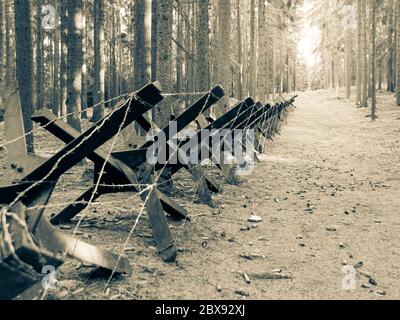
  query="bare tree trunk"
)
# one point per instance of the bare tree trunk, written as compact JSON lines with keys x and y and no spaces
{"x":224,"y":7}
{"x":84,"y":64}
{"x":56,"y":61}
{"x":2,"y":34}
{"x":251,"y":57}
{"x":398,"y":53}
{"x":239,"y":52}
{"x":9,"y":55}
{"x":373,"y":58}
{"x":74,"y":63}
{"x":164,"y":56}
{"x":113,"y":61}
{"x":154,"y":28}
{"x":24,"y":63}
{"x":99,"y":57}
{"x":262,"y":47}
{"x":39,"y":57}
{"x":142,"y":43}
{"x":390,"y":9}
{"x":348,"y":59}
{"x":359,"y":52}
{"x":203,"y":76}
{"x":64,"y":58}
{"x":364,"y":93}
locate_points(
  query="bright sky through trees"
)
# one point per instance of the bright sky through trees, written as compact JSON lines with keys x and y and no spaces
{"x":309,"y":36}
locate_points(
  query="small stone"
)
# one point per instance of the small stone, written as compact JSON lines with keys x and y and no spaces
{"x":380,"y":293}
{"x":255,"y":219}
{"x":358,"y":265}
{"x":331,"y":229}
{"x":373,"y":281}
{"x":242,"y":293}
{"x":246,"y":278}
{"x":365,"y":274}
{"x":366,"y":286}
{"x":342,"y":245}
{"x":219,"y":288}
{"x":277,"y":271}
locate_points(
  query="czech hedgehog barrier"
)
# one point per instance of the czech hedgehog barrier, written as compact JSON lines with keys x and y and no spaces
{"x":30,"y":241}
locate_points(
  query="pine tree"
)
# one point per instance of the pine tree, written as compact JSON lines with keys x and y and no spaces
{"x":99,"y":57}
{"x":74,"y":83}
{"x":24,"y":63}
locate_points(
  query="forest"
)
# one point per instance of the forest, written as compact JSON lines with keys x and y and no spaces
{"x":318,"y":81}
{"x":71,"y":55}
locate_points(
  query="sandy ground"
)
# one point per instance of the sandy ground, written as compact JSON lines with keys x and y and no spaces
{"x":327,"y":190}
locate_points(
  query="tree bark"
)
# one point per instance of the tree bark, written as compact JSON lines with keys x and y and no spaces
{"x":64,"y":58}
{"x":364,"y":93}
{"x":74,"y":82}
{"x":2,"y":33}
{"x":99,"y":57}
{"x":203,"y":77}
{"x":239,"y":53}
{"x":359,"y":52}
{"x":39,"y":56}
{"x":398,"y":54}
{"x":56,"y":61}
{"x":373,"y":58}
{"x":10,"y":75}
{"x":84,"y":64}
{"x":224,"y":7}
{"x":390,"y":72}
{"x":24,"y":63}
{"x":164,"y":56}
{"x":252,"y":60}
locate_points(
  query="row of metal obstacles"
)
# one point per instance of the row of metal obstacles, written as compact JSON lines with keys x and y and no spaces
{"x":30,"y":241}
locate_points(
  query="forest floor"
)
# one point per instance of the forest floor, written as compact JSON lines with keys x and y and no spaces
{"x":327,"y":190}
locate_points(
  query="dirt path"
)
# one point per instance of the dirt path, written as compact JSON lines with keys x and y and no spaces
{"x":329,"y":197}
{"x":328,"y":192}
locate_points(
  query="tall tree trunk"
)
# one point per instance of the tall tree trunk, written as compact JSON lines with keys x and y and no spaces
{"x":74,"y":63}
{"x":113,"y":55}
{"x":348,"y":58}
{"x":203,"y":77}
{"x":239,"y":52}
{"x":56,"y":61}
{"x":390,"y":9}
{"x":164,"y":56}
{"x":359,"y":51}
{"x":373,"y":58}
{"x":9,"y":55}
{"x":2,"y":34}
{"x":84,"y":63}
{"x":142,"y":43}
{"x":398,"y":53}
{"x":224,"y":8}
{"x":364,"y":93}
{"x":261,"y":61}
{"x":39,"y":56}
{"x":251,"y":57}
{"x":24,"y":63}
{"x":154,"y":28}
{"x":99,"y":60}
{"x":64,"y":58}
